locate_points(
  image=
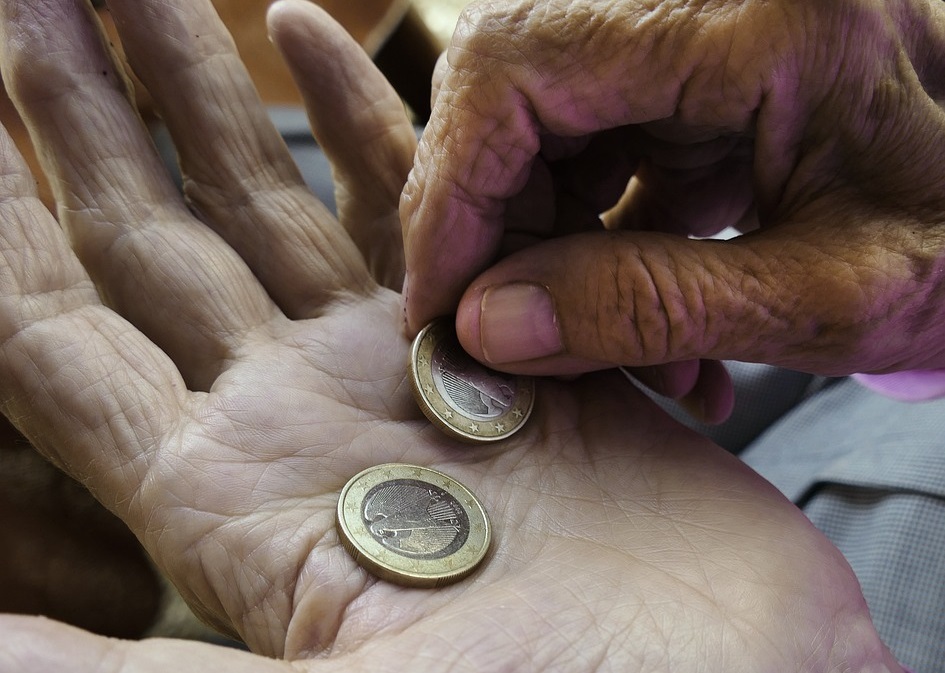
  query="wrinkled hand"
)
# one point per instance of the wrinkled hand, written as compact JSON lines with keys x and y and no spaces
{"x":819,"y":122}
{"x":246,"y":362}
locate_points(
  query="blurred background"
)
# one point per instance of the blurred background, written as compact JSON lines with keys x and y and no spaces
{"x":441,"y":15}
{"x":65,"y":556}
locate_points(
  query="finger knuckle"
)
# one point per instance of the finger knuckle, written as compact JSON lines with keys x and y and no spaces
{"x":497,"y":33}
{"x":635,"y":309}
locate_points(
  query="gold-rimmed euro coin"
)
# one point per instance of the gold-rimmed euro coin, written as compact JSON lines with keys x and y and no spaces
{"x":462,"y":397}
{"x":412,"y":525}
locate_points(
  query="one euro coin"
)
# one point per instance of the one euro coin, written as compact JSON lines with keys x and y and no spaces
{"x":462,"y":397}
{"x":412,"y":526}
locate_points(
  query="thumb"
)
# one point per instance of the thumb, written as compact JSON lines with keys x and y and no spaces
{"x":38,"y":645}
{"x":810,"y":301}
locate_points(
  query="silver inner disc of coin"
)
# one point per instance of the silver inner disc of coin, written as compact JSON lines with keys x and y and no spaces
{"x":467,"y":386}
{"x":415,"y":519}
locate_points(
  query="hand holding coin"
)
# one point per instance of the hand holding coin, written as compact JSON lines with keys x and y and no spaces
{"x":249,"y":362}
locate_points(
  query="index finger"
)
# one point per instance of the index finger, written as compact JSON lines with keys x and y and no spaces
{"x":453,"y":204}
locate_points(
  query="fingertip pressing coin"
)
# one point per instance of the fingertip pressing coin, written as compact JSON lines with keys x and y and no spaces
{"x":412,"y":525}
{"x":462,"y":397}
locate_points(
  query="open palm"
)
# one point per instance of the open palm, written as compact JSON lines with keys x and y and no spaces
{"x":249,"y":359}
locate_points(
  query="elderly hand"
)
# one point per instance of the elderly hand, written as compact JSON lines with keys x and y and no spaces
{"x":215,"y":370}
{"x":822,"y":123}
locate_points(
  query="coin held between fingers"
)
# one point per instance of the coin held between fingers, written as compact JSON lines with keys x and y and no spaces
{"x":412,"y":526}
{"x":462,"y":397}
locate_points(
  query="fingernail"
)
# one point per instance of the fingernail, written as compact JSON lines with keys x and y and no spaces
{"x":713,"y":410}
{"x":518,"y":322}
{"x":694,"y":405}
{"x":403,"y":302}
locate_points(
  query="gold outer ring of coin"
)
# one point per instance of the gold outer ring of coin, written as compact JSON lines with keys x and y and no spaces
{"x":383,"y":560}
{"x":448,"y":417}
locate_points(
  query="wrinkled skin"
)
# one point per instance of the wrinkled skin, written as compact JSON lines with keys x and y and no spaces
{"x":248,"y":359}
{"x":820,"y":123}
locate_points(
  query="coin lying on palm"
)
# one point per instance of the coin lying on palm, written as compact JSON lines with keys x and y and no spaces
{"x":412,"y":525}
{"x":462,"y":397}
